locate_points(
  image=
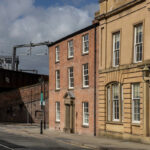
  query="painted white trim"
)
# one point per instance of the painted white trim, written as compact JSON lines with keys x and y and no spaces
{"x":57,"y":112}
{"x":134,"y":121}
{"x":83,"y":106}
{"x":69,"y":49}
{"x":135,"y":31}
{"x":56,"y":79}
{"x":69,"y":78}
{"x":83,"y":75}
{"x":83,"y":45}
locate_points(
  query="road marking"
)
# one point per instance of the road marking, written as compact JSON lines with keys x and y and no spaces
{"x":6,"y":147}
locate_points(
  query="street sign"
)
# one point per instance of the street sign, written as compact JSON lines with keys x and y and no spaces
{"x":42,"y":101}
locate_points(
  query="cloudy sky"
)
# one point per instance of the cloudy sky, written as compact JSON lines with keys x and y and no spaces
{"x":25,"y":21}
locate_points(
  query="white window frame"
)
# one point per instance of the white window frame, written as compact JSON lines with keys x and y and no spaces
{"x":57,"y":79}
{"x":138,"y":43}
{"x":70,"y":49}
{"x":57,"y":54}
{"x":133,"y":104}
{"x":85,"y":114}
{"x":71,"y":77}
{"x":122,"y":103}
{"x":57,"y":111}
{"x":85,"y":44}
{"x":114,"y":104}
{"x":116,"y":50}
{"x":85,"y":75}
{"x":109,"y":103}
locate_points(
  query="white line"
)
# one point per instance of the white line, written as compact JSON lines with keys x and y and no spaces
{"x":6,"y":147}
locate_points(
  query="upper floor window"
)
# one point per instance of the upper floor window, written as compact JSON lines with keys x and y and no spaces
{"x":58,"y":111}
{"x":85,"y":113}
{"x":71,"y":78}
{"x":116,"y":48}
{"x":57,"y":79}
{"x":138,"y":43}
{"x":57,"y":54}
{"x":85,"y":44}
{"x":136,"y":103}
{"x":70,"y":49}
{"x":114,"y":102}
{"x":85,"y":75}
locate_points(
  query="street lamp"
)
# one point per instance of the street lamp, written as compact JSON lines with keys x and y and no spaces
{"x":146,"y":71}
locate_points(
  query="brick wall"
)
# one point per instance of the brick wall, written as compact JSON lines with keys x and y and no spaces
{"x":81,"y":94}
{"x":23,"y":104}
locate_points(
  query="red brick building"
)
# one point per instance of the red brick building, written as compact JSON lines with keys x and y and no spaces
{"x":22,"y":105}
{"x":72,"y":82}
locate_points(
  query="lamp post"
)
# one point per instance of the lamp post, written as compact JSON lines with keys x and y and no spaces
{"x":42,"y":103}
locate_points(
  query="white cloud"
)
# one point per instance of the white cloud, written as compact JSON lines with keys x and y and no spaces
{"x":21,"y":22}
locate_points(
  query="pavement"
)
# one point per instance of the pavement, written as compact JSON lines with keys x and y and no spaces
{"x":73,"y":140}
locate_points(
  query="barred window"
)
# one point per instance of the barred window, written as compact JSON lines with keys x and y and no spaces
{"x":138,"y":43}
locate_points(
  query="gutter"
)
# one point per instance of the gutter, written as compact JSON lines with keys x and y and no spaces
{"x":95,"y":75}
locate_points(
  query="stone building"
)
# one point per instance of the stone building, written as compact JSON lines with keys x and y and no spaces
{"x":72,"y":82}
{"x":124,"y":64}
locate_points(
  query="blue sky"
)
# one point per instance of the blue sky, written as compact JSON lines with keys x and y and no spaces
{"x":76,"y":3}
{"x":25,"y":21}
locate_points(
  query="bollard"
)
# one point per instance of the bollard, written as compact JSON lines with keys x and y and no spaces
{"x":41,"y":127}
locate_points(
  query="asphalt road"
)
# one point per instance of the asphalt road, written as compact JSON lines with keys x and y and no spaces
{"x":9,"y":141}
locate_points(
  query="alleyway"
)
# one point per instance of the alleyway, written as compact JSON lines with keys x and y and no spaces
{"x":28,"y":137}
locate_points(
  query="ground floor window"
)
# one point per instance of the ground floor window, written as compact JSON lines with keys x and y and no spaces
{"x":114,"y":102}
{"x":136,"y":103}
{"x":58,"y":111}
{"x":85,"y":113}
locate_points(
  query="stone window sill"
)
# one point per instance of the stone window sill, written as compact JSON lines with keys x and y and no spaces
{"x":114,"y":122}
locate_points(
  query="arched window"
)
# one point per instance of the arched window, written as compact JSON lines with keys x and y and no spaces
{"x":114,"y":102}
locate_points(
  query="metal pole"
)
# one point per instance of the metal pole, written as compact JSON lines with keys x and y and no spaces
{"x":44,"y":106}
{"x":41,"y":127}
{"x":13,"y":58}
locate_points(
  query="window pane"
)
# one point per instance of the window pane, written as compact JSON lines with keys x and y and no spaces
{"x":57,"y":53}
{"x":136,"y":102}
{"x":109,"y":103}
{"x":57,"y":79}
{"x":115,"y":99}
{"x":138,"y":43}
{"x":57,"y":111}
{"x":70,"y":49}
{"x":85,"y":43}
{"x":116,"y":48}
{"x":85,"y":113}
{"x":71,"y":77}
{"x":85,"y":75}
